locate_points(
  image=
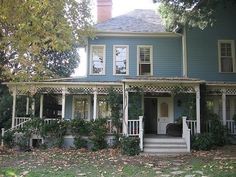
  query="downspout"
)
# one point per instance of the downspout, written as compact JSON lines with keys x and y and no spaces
{"x":185,"y":55}
{"x":87,"y":58}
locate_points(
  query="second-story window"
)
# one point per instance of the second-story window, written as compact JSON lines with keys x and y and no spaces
{"x":120,"y":59}
{"x":226,"y":56}
{"x":97,"y":59}
{"x":144,"y":54}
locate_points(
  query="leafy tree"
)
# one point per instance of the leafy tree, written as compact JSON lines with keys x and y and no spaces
{"x":191,"y":13}
{"x":5,"y":107}
{"x":34,"y":33}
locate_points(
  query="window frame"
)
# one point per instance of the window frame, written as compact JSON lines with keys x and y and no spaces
{"x":231,"y":42}
{"x":102,"y":98}
{"x":127,"y":60}
{"x":91,"y":59}
{"x":89,"y":105}
{"x":151,"y":59}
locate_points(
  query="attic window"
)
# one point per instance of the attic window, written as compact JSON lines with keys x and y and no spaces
{"x":144,"y":60}
{"x":226,"y":56}
{"x":97,"y":59}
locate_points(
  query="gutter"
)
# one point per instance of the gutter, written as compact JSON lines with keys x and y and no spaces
{"x":163,"y":81}
{"x":61,"y":83}
{"x":137,"y":34}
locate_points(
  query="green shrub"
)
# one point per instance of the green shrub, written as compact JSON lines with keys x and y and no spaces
{"x":202,"y":142}
{"x":130,"y":146}
{"x":217,"y":130}
{"x":98,"y":134}
{"x":22,"y":142}
{"x":9,"y":139}
{"x":79,"y":142}
{"x":55,"y":131}
{"x":80,"y":127}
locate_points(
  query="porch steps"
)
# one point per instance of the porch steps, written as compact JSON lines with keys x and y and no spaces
{"x":164,"y":145}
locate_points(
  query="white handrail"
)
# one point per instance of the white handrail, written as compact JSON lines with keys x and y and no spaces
{"x":186,"y":133}
{"x":192,"y":125}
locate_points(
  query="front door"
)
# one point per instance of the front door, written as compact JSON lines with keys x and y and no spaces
{"x":150,"y":115}
{"x":165,"y":113}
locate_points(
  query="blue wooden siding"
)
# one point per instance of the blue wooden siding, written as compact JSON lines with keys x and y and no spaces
{"x":203,"y":48}
{"x":167,"y":56}
{"x":179,"y":109}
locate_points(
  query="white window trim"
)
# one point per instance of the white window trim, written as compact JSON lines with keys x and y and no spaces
{"x":114,"y":60}
{"x":89,"y":105}
{"x":151,"y":58}
{"x":104,"y":60}
{"x":100,"y":96}
{"x":233,"y":54}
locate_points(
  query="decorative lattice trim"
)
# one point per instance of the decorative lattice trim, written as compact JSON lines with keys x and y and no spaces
{"x":81,"y":90}
{"x":161,"y":89}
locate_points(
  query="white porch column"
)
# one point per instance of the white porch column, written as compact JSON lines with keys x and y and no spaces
{"x":13,"y":108}
{"x":126,"y":109}
{"x":224,"y":106}
{"x":41,"y":106}
{"x":27,"y":106}
{"x":63,"y":102}
{"x":198,"y":109}
{"x":33,"y":106}
{"x":95,"y":93}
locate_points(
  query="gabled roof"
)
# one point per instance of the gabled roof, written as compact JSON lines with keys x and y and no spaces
{"x":140,"y":20}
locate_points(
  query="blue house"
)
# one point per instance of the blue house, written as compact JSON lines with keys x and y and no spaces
{"x":172,"y":71}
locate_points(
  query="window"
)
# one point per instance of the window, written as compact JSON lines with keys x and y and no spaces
{"x":120,"y":60}
{"x":226,"y":56}
{"x":97,"y":59}
{"x":144,"y":54}
{"x":81,"y":107}
{"x":104,"y":110}
{"x":164,"y":110}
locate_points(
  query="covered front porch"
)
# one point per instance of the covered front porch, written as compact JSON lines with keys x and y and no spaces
{"x":221,"y":100}
{"x":156,"y":102}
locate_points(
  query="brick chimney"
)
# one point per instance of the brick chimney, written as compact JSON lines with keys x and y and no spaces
{"x":104,"y":10}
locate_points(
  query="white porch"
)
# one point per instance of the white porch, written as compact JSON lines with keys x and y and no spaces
{"x":93,"y":92}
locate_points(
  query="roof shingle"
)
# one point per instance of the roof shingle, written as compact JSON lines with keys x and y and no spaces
{"x":139,"y":20}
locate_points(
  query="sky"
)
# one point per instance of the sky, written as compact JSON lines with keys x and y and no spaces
{"x":119,"y":7}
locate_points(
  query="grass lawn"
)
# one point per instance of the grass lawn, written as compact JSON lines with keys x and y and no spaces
{"x":62,"y":163}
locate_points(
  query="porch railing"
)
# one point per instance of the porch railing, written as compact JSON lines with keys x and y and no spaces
{"x":111,"y":129}
{"x":192,"y":125}
{"x":19,"y":121}
{"x":186,"y":133}
{"x":231,"y":127}
{"x":135,"y":128}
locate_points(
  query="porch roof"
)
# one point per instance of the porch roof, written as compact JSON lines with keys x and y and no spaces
{"x":221,"y":84}
{"x":149,"y":79}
